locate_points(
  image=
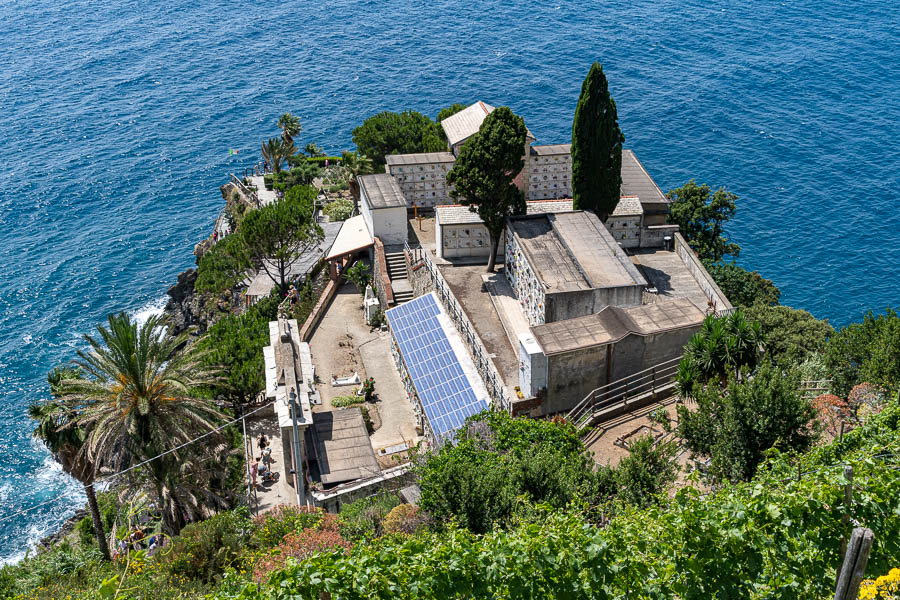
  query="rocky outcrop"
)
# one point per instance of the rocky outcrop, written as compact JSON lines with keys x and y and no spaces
{"x":64,"y":530}
{"x":193,"y":313}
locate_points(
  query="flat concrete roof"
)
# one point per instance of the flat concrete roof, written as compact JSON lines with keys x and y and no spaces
{"x":637,"y":182}
{"x":342,"y":446}
{"x":458,"y":214}
{"x":381,"y":191}
{"x":551,"y":149}
{"x":613,"y":323}
{"x":665,"y":271}
{"x":573,"y":251}
{"x":423,"y":158}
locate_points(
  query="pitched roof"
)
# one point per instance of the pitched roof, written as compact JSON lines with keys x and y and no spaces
{"x":637,"y":182}
{"x":465,"y":123}
{"x":628,"y":206}
{"x":572,"y":251}
{"x":612,"y":324}
{"x":381,"y":191}
{"x":342,"y":446}
{"x":422,"y":158}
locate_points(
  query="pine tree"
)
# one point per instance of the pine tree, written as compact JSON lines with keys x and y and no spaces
{"x":483,"y":175}
{"x":596,"y":147}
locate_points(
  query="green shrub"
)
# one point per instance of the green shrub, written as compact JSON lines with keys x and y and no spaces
{"x":339,"y":210}
{"x":271,"y":528}
{"x":334,"y":189}
{"x":362,"y":519}
{"x":203,"y":550}
{"x":332,"y":160}
{"x":268,"y":181}
{"x":344,"y":401}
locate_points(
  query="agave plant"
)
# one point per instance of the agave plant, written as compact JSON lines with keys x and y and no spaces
{"x":134,"y":399}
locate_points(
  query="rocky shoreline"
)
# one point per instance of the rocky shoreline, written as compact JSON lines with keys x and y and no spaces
{"x":185,"y":312}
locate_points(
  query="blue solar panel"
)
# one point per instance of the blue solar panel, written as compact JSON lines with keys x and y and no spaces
{"x":444,"y":391}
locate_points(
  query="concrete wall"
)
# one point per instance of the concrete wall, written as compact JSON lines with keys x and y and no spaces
{"x":568,"y":305}
{"x":704,"y":279}
{"x":654,"y":236}
{"x":571,"y":376}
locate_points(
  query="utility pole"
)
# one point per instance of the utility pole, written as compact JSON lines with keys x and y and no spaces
{"x":298,"y":467}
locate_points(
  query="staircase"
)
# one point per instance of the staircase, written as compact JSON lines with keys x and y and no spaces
{"x":399,"y":276}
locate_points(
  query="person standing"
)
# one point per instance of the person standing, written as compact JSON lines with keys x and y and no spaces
{"x":254,"y":471}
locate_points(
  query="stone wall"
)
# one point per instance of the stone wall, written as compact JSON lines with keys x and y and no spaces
{"x":380,"y":277}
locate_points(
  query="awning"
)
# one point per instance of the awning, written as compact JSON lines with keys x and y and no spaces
{"x":353,"y":236}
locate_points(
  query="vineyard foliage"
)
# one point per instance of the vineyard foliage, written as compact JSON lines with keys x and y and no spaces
{"x":775,"y":537}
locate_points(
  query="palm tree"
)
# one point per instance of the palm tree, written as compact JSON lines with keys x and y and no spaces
{"x":722,"y":346}
{"x":290,"y":127}
{"x":275,"y":152}
{"x":56,"y":429}
{"x":354,"y":165}
{"x":135,"y":403}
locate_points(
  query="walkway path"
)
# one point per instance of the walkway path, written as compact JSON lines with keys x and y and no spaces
{"x":270,"y":495}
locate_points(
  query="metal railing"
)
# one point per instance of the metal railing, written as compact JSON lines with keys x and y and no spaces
{"x":250,"y":194}
{"x":492,"y":380}
{"x":650,"y":380}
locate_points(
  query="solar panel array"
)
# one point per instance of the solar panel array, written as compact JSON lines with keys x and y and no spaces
{"x":443,"y":388}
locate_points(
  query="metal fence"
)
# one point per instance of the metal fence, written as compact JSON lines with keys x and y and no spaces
{"x":250,"y":194}
{"x":492,"y":380}
{"x":648,"y":381}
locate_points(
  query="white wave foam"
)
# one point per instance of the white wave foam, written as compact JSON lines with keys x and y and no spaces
{"x":151,"y":309}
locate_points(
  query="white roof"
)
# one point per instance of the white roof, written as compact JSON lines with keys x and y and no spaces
{"x":304,"y":379}
{"x":421,"y":158}
{"x":353,"y":236}
{"x":466,"y":122}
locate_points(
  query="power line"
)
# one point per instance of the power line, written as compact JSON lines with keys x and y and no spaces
{"x":140,"y":464}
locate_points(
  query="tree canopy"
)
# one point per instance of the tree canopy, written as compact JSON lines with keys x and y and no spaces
{"x":866,"y":352}
{"x":736,"y":427}
{"x":743,"y":287}
{"x":276,"y":235}
{"x":792,"y":336}
{"x":483,"y":174}
{"x":234,"y":345}
{"x":223,"y":266}
{"x":397,"y":133}
{"x":596,"y":147}
{"x":701,"y":216}
{"x":495,"y":459}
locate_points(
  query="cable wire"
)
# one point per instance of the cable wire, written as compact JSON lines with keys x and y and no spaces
{"x":140,"y":464}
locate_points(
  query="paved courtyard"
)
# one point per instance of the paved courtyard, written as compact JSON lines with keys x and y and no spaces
{"x":343,"y":344}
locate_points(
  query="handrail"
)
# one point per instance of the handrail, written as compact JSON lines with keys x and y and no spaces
{"x":657,"y":376}
{"x":253,"y":196}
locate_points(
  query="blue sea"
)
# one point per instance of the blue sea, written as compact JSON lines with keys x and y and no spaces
{"x":116,"y":121}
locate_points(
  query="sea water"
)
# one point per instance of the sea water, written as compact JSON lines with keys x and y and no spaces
{"x":117,"y":118}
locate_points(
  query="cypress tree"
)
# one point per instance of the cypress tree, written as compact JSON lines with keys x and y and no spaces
{"x":596,"y":147}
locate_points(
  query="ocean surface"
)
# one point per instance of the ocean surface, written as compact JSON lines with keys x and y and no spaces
{"x":116,"y":121}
